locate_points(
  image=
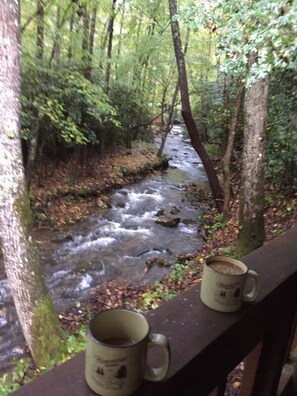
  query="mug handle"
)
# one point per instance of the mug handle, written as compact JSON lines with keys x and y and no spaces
{"x":256,"y":286}
{"x":158,"y":373}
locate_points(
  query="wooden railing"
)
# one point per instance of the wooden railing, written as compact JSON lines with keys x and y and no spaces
{"x":207,"y":345}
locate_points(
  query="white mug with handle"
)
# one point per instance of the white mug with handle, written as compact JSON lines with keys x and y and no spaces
{"x":116,"y":354}
{"x":223,"y":286}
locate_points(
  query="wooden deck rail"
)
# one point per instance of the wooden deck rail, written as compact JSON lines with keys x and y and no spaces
{"x":206,"y":345}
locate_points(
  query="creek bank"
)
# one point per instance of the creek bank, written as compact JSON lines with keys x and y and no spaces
{"x":57,"y":200}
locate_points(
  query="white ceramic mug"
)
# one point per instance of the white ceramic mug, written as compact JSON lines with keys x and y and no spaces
{"x":223,"y":286}
{"x":116,"y":354}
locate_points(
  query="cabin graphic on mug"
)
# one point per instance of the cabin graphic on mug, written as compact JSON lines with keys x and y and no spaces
{"x":120,"y":373}
{"x":232,"y":293}
{"x":225,"y":296}
{"x":112,"y":378}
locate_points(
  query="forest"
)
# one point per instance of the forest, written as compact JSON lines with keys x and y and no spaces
{"x":92,"y":87}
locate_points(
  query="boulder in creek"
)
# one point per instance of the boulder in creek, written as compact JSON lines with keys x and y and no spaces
{"x":156,"y":261}
{"x":168,"y":221}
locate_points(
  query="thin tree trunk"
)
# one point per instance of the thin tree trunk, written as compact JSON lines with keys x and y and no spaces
{"x":109,"y":46}
{"x":123,"y":5}
{"x":187,"y":113}
{"x":251,"y":213}
{"x":56,"y":46}
{"x":35,"y":119}
{"x":172,"y":107}
{"x":228,"y":153}
{"x":85,"y":42}
{"x":70,"y":47}
{"x":103,"y":132}
{"x":56,"y":51}
{"x":39,"y":322}
{"x":169,"y":121}
{"x":145,"y":62}
{"x":136,"y":69}
{"x":92,"y":31}
{"x":40,"y":30}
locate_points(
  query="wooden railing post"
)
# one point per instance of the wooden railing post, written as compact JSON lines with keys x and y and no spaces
{"x":274,"y":352}
{"x":250,"y":368}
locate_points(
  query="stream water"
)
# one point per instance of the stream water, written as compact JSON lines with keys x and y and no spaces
{"x":116,"y":243}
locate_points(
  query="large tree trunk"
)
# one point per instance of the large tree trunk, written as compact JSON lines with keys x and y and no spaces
{"x":187,"y":113}
{"x":39,"y":322}
{"x":251,"y":214}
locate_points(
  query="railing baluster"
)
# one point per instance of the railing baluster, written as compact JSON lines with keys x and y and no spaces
{"x":250,"y":368}
{"x":274,"y":352}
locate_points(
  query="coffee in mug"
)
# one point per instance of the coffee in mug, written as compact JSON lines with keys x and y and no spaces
{"x":116,"y":354}
{"x":223,"y":286}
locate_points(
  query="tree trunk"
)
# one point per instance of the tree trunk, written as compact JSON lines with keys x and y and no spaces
{"x":40,"y":30}
{"x":39,"y":322}
{"x":172,"y":106}
{"x":169,"y":122}
{"x":92,"y":32}
{"x":109,"y":46}
{"x":85,"y":42}
{"x":228,"y":153}
{"x":120,"y":39}
{"x":70,"y":46}
{"x":187,"y":113}
{"x":33,"y":142}
{"x":251,"y":213}
{"x":60,"y":22}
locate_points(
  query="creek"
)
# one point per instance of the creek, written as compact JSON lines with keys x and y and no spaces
{"x":115,"y":243}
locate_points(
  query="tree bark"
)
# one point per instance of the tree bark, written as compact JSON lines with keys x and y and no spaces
{"x":172,"y":105}
{"x":187,"y":112}
{"x":33,"y":142}
{"x":86,"y":59}
{"x":40,"y":30}
{"x":123,"y":5}
{"x":251,"y":213}
{"x":70,"y":47}
{"x":169,"y":122}
{"x":92,"y":32}
{"x":39,"y":322}
{"x":228,"y":153}
{"x":109,"y":46}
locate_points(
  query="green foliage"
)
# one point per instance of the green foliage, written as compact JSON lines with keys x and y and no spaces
{"x":144,"y":146}
{"x":75,"y":342}
{"x":216,"y":225}
{"x":160,"y":292}
{"x":282,"y":132}
{"x":265,"y":28}
{"x":24,"y":371}
{"x":178,"y":274}
{"x":132,"y":115}
{"x":228,"y":251}
{"x":10,"y":382}
{"x":155,"y":296}
{"x":67,"y":107}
